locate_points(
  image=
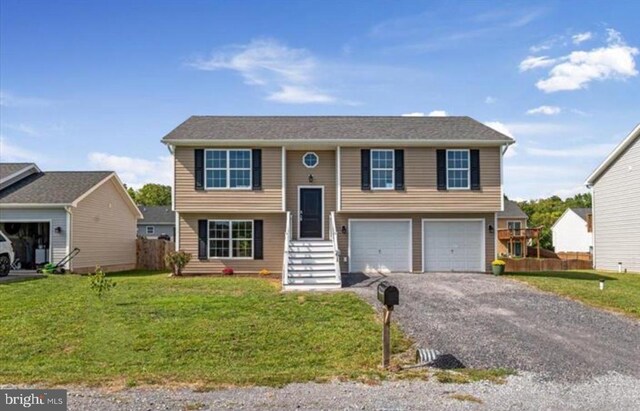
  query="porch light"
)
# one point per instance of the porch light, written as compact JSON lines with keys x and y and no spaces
{"x":58,"y":230}
{"x":311,"y":178}
{"x":490,"y":229}
{"x":344,"y":229}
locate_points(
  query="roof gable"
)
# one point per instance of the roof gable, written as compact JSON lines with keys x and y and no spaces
{"x":283,"y":129}
{"x":613,"y":157}
{"x":512,"y":210}
{"x":157,"y":214}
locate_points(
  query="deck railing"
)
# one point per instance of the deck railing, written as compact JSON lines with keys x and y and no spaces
{"x":333,"y":235}
{"x":285,"y":254}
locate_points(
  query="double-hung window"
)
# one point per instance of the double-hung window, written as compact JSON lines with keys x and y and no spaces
{"x":230,"y":239}
{"x":151,"y":229}
{"x":382,"y":169}
{"x":227,"y":169}
{"x":458,"y":169}
{"x":514,"y":227}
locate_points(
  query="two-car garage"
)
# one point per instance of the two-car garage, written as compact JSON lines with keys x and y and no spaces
{"x":386,"y":245}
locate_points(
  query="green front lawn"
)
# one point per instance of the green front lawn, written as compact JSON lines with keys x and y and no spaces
{"x":206,"y":331}
{"x":621,"y":292}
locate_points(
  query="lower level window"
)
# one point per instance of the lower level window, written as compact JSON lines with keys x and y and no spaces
{"x":230,"y":239}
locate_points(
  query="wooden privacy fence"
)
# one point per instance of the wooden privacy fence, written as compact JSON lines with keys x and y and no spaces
{"x":150,"y":253}
{"x":574,"y":255}
{"x":544,"y":264}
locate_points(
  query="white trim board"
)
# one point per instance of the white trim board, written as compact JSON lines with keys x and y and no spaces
{"x":484,"y":235}
{"x":321,"y":187}
{"x":409,"y":220}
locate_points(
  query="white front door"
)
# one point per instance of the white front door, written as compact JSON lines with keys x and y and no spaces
{"x":453,"y":245}
{"x":380,"y":246}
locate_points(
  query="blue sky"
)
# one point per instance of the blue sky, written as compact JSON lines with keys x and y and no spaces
{"x":96,"y":85}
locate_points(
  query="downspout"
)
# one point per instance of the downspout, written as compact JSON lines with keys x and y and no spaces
{"x":69,"y":234}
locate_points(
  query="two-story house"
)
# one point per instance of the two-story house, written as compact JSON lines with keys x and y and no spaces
{"x":311,"y":197}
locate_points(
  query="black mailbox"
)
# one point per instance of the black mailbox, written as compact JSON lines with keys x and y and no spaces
{"x":388,"y":294}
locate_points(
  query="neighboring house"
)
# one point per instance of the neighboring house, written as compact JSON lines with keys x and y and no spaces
{"x":401,"y":194}
{"x":157,"y":221}
{"x":572,"y":231}
{"x":47,"y":214}
{"x":512,"y":224}
{"x":615,"y":188}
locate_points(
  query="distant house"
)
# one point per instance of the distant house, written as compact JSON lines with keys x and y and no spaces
{"x":46,"y":215}
{"x":157,"y":221}
{"x":615,"y":187}
{"x":572,"y":231}
{"x":512,"y":222}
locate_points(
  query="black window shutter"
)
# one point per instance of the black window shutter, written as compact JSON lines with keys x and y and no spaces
{"x":475,"y":169}
{"x":365,"y":169}
{"x":256,"y":169}
{"x":199,"y":168}
{"x":258,"y":240}
{"x":442,"y":169}
{"x":399,"y":169}
{"x":202,"y":239}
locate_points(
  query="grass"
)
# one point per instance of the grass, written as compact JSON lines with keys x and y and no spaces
{"x":206,"y":332}
{"x":621,"y":292}
{"x":469,"y":375}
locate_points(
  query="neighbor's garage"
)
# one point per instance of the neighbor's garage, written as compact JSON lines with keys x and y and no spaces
{"x":379,"y":245}
{"x":453,"y":245}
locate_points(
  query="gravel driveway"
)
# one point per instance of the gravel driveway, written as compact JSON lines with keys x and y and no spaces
{"x":487,"y":322}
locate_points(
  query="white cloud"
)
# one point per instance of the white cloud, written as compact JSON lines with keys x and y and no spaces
{"x":11,"y":100}
{"x":546,"y":110}
{"x":499,"y":127}
{"x":11,"y":152}
{"x":135,"y":172}
{"x":591,"y":150}
{"x":287,"y":75}
{"x":580,"y":37}
{"x":533,"y":62}
{"x":434,"y":113}
{"x":579,"y":68}
{"x":490,"y":100}
{"x":23,"y":129}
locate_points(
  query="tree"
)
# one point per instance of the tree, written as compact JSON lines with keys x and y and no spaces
{"x":132,"y":194}
{"x":545,"y":212}
{"x":153,"y":195}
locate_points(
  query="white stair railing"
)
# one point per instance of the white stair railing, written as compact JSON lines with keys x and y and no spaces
{"x":285,"y":254}
{"x":333,"y":235}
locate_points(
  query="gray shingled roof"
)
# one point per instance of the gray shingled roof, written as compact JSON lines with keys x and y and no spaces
{"x":157,"y":214}
{"x":511,"y":210}
{"x":582,"y":212}
{"x":6,"y":169}
{"x":323,"y":128}
{"x":52,"y":187}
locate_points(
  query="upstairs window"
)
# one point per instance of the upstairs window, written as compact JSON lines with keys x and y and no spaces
{"x":310,"y":160}
{"x":382,"y":169}
{"x":227,"y":169}
{"x":458,"y":169}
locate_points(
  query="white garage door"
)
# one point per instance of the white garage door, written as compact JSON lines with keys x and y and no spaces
{"x":380,"y":246}
{"x":453,"y":245}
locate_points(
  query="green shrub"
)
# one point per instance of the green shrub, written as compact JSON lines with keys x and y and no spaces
{"x":100,"y":284}
{"x":177,"y":260}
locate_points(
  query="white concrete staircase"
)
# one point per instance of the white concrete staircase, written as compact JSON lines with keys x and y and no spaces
{"x":311,"y":264}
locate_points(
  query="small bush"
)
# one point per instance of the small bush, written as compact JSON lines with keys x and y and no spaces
{"x":177,"y":260}
{"x":100,"y":284}
{"x":264,"y":272}
{"x":227,"y":271}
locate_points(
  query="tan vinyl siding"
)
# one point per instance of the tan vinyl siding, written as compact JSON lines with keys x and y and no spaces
{"x":421,"y":193}
{"x":616,"y":215}
{"x":273,"y":226}
{"x":502,"y":224}
{"x":324,"y":174}
{"x":188,"y":199}
{"x":104,"y":228}
{"x":416,"y":233}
